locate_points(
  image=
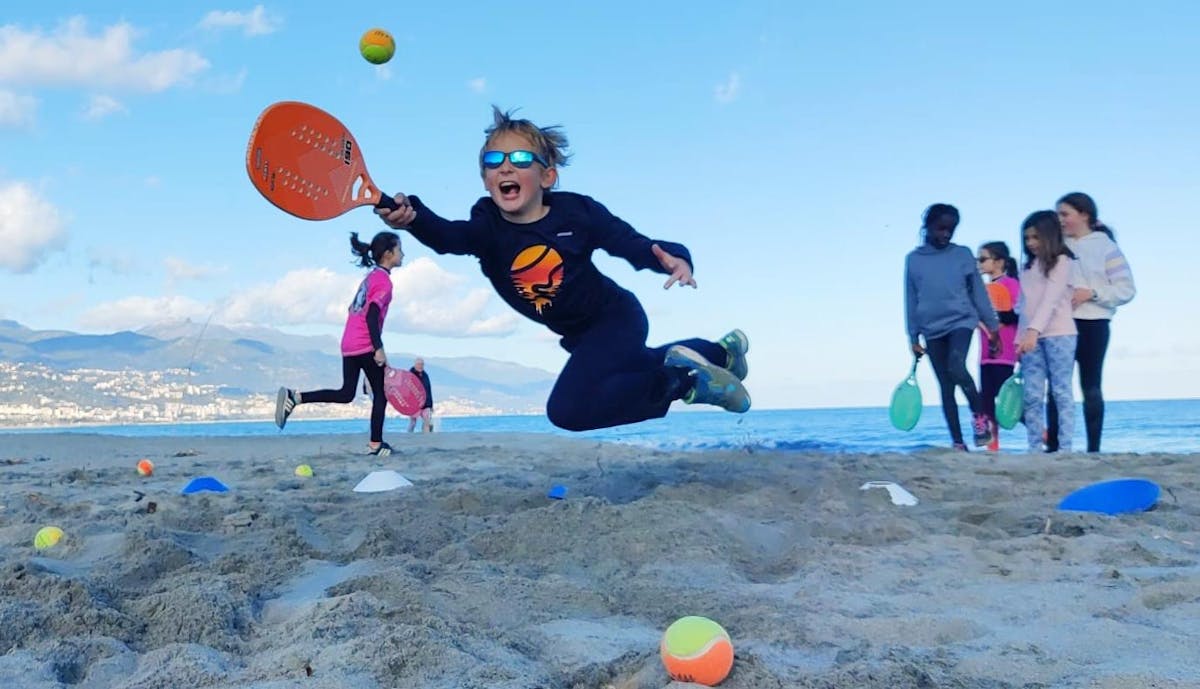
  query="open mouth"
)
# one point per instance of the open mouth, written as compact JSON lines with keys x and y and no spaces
{"x":509,"y":190}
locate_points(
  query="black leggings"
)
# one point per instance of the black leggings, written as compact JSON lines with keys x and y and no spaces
{"x":991,"y":377}
{"x":351,"y":365}
{"x":948,"y":356}
{"x":1090,"y":349}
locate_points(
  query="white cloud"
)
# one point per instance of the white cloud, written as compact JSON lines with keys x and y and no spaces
{"x":102,"y":106}
{"x":132,"y":313}
{"x":430,"y":299}
{"x":71,"y":56}
{"x":502,"y":324}
{"x":728,"y":91}
{"x":30,"y":228}
{"x":315,"y":295}
{"x":426,"y":299}
{"x":478,"y":84}
{"x":179,"y":270}
{"x":253,"y":23}
{"x":383,"y":72}
{"x":459,"y":316}
{"x":422,"y":279}
{"x":16,"y":110}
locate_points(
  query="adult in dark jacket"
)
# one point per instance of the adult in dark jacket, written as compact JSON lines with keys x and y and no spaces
{"x":426,"y":412}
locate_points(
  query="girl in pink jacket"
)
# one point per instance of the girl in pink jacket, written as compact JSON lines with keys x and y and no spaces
{"x":1046,"y":331}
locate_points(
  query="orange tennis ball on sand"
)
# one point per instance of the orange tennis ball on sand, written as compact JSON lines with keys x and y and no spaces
{"x":696,"y":649}
{"x":377,"y":46}
{"x":145,"y":467}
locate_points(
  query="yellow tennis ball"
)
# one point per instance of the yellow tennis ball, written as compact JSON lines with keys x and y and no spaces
{"x":304,"y":470}
{"x":47,"y":536}
{"x":696,"y":649}
{"x":377,"y":46}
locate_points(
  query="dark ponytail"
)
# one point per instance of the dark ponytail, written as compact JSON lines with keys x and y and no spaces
{"x":1000,"y":250}
{"x":369,"y":254}
{"x":1082,"y":203}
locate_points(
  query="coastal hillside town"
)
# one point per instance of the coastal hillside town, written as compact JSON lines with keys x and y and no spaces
{"x":184,"y":372}
{"x":33,"y":395}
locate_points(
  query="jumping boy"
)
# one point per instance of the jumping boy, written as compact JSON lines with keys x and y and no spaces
{"x":535,"y":246}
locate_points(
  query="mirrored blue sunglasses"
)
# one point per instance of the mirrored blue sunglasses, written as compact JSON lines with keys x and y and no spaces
{"x":519,"y":159}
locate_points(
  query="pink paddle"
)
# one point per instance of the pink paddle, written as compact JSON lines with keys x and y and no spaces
{"x":403,"y":390}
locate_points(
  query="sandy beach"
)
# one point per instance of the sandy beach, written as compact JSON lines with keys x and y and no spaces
{"x":472,"y":577}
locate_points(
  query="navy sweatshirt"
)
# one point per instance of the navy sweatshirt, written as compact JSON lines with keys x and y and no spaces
{"x":544,"y":269}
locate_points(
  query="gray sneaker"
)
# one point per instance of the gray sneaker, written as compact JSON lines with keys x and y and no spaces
{"x":285,"y":402}
{"x":711,"y":384}
{"x":736,"y":344}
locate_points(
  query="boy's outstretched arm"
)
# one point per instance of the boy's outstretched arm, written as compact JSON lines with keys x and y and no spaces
{"x":443,"y":236}
{"x":618,"y":238}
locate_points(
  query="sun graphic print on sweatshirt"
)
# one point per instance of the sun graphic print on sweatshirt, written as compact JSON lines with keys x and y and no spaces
{"x":537,"y":274}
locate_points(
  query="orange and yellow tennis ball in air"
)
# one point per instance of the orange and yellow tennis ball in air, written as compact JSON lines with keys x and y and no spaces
{"x":377,"y":46}
{"x":145,"y":467}
{"x":696,"y":649}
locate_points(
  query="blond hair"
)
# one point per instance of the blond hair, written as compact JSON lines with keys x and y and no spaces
{"x":548,"y":142}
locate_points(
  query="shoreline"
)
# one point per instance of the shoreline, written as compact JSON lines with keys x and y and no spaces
{"x":150,"y":424}
{"x":928,"y":408}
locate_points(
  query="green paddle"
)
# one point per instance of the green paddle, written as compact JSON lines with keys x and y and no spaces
{"x":1010,"y":401}
{"x":905,"y":409}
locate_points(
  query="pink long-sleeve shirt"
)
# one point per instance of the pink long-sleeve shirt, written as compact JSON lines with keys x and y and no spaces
{"x":1046,"y":299}
{"x":1008,"y":333}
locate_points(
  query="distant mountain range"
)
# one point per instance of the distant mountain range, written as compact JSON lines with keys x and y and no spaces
{"x":257,"y":360}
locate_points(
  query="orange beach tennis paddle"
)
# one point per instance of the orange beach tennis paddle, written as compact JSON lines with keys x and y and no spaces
{"x":307,"y":163}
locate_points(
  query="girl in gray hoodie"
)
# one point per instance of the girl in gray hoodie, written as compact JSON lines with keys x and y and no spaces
{"x":945,"y":301}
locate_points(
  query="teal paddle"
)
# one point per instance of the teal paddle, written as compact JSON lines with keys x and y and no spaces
{"x":905,"y":409}
{"x":1010,"y":401}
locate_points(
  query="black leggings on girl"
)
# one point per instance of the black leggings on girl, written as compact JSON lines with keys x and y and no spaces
{"x":351,"y":365}
{"x":948,"y":356}
{"x":1090,"y":349}
{"x":991,"y":378}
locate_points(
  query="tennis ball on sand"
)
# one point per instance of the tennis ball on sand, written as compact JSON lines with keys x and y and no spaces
{"x":47,"y":537}
{"x":304,"y":470}
{"x":145,"y":467}
{"x":377,"y":46}
{"x":696,"y":649}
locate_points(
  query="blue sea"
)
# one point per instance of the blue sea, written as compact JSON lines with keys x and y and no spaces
{"x":1142,"y":426}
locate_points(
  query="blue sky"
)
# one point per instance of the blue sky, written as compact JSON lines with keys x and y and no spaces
{"x":791,"y":146}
